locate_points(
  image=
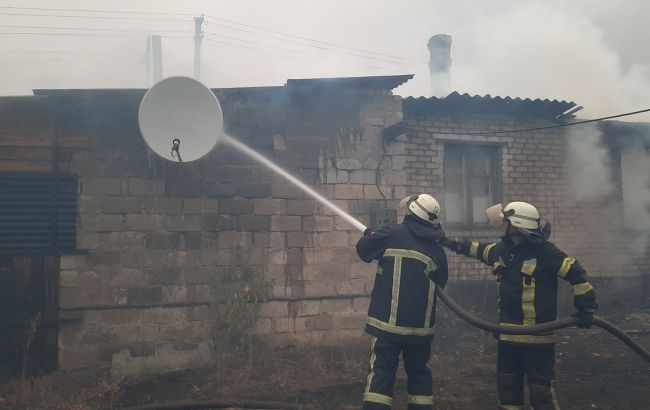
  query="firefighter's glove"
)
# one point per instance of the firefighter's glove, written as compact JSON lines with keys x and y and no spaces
{"x":460,"y":246}
{"x":499,"y":268}
{"x":585,"y":318}
{"x":369,"y":232}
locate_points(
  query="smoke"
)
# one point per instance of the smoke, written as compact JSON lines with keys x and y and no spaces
{"x":591,"y":165}
{"x":592,"y":52}
{"x":556,"y":50}
{"x":593,"y":178}
{"x":635,"y":176}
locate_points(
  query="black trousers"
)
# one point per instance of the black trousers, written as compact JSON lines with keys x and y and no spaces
{"x":534,"y":362}
{"x":384,"y":358}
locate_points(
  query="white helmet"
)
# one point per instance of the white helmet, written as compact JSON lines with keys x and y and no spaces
{"x":424,"y":207}
{"x":522,"y":215}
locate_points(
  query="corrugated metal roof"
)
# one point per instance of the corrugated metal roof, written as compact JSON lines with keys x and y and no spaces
{"x":383,"y":82}
{"x":488,"y":104}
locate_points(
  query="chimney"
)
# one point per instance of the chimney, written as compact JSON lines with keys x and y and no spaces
{"x":439,"y":64}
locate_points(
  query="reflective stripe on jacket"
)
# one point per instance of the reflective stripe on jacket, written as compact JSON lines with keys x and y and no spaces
{"x":528,"y":282}
{"x":411,"y":264}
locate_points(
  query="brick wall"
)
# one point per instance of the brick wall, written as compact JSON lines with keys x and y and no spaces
{"x":158,"y":239}
{"x":160,"y":242}
{"x":534,"y":167}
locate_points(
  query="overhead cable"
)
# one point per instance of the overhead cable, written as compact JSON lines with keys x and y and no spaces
{"x":160,"y":13}
{"x":304,"y":56}
{"x":550,"y":127}
{"x":86,"y":16}
{"x":311,"y":45}
{"x":253,"y":42}
{"x":309,"y":39}
{"x":94,"y":29}
{"x":31,"y":33}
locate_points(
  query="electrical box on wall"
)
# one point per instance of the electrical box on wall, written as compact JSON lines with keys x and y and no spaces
{"x":382,"y":216}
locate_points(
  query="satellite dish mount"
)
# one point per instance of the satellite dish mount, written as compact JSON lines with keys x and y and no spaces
{"x":180,"y":106}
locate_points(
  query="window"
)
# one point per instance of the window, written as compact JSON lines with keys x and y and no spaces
{"x":635,"y":175}
{"x":471,"y":183}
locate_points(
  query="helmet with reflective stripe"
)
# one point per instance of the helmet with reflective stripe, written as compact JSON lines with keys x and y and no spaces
{"x":424,"y":207}
{"x":522,"y":215}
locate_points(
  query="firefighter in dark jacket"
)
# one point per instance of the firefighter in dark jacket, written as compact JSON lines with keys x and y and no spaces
{"x":528,"y":267}
{"x":403,"y":302}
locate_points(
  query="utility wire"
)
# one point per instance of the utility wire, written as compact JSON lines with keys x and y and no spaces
{"x":160,"y":13}
{"x":311,"y":45}
{"x":49,"y":52}
{"x":533,"y":129}
{"x":98,"y":17}
{"x":253,"y":42}
{"x":49,"y":60}
{"x":78,"y":34}
{"x":96,"y":29}
{"x":294,"y":57}
{"x":309,"y":39}
{"x":246,"y":47}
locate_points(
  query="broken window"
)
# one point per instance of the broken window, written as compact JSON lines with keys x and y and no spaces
{"x":635,"y":175}
{"x":470,"y":183}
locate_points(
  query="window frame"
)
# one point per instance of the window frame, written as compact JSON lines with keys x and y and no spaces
{"x":620,"y":152}
{"x":495,"y":153}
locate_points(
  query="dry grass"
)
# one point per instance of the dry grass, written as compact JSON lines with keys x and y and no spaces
{"x":463,"y":378}
{"x":309,"y":376}
{"x":60,"y":391}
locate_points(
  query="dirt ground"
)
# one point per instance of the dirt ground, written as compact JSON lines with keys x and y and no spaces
{"x":594,"y":371}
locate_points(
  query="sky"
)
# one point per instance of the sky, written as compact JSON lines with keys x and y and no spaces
{"x":593,"y":52}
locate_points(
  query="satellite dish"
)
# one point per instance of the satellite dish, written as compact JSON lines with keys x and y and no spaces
{"x":180,"y":119}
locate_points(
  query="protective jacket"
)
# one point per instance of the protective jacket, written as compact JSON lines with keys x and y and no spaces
{"x":528,"y":281}
{"x":411,"y":264}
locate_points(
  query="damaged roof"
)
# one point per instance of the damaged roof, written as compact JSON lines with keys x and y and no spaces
{"x":488,"y":104}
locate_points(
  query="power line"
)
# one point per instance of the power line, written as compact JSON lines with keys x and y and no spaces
{"x":302,"y":43}
{"x":537,"y":128}
{"x":77,"y":34}
{"x":49,"y":52}
{"x":308,"y":39}
{"x":311,"y":39}
{"x":98,"y":17}
{"x":273,"y":37}
{"x":160,"y":13}
{"x":95,"y":29}
{"x":253,"y":42}
{"x":247,"y":48}
{"x":278,"y":54}
{"x":49,"y":60}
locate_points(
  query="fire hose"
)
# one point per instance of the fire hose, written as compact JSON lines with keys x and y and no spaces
{"x":539,"y":328}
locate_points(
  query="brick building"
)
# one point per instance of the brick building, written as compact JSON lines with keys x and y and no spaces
{"x":161,"y":248}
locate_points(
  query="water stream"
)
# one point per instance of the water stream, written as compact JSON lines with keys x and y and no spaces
{"x":306,"y":188}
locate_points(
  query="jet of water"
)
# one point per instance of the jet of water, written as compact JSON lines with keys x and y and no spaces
{"x":260,"y":158}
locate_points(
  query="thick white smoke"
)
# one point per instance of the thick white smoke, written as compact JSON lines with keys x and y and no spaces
{"x":593,"y":52}
{"x":551,"y":49}
{"x":590,"y":161}
{"x":594,"y":179}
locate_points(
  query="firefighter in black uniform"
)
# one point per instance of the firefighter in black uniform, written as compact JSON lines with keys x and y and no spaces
{"x":528,"y":267}
{"x":403,"y":302}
